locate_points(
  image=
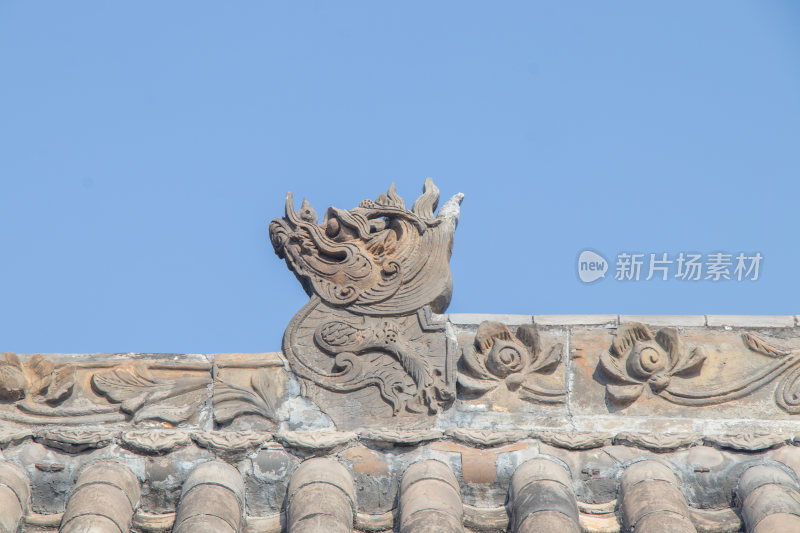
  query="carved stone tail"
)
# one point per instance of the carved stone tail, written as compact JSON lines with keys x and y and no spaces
{"x":321,"y":498}
{"x":15,"y":495}
{"x":769,"y":500}
{"x":651,"y":501}
{"x":103,"y":500}
{"x":430,"y":499}
{"x":212,"y":500}
{"x":542,"y":499}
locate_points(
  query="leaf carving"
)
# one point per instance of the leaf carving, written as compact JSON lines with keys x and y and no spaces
{"x":611,"y":367}
{"x":173,"y":410}
{"x":131,"y":387}
{"x":260,"y":383}
{"x":473,"y":365}
{"x":668,"y":339}
{"x":146,"y":397}
{"x":627,"y":335}
{"x":549,"y":362}
{"x":624,"y":393}
{"x":692,"y":363}
{"x":529,"y":390}
{"x":11,"y":358}
{"x":475,"y":385}
{"x":231,"y":401}
{"x":758,"y":345}
{"x":529,"y":336}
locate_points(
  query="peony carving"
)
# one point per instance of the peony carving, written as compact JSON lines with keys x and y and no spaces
{"x":373,"y":274}
{"x":497,"y":358}
{"x":638,"y":358}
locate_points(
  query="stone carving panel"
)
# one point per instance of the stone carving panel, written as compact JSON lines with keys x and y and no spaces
{"x":36,"y":381}
{"x":366,"y":344}
{"x":639,"y":359}
{"x":497,"y":362}
{"x":114,"y":389}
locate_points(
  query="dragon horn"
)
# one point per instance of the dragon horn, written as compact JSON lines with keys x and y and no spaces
{"x":291,"y":214}
{"x":451,"y":209}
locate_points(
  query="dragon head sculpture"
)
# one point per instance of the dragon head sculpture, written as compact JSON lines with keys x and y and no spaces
{"x":378,"y":259}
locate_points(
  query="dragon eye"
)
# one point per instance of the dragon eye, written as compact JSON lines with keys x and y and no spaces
{"x":376,"y":225}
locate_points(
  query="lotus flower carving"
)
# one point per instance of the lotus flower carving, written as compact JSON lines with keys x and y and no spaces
{"x":637,"y":357}
{"x":498,"y":357}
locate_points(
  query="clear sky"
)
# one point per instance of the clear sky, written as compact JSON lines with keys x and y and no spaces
{"x":145,"y":146}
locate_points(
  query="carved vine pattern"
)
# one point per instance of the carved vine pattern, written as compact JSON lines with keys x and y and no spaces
{"x":42,"y":392}
{"x":638,"y":358}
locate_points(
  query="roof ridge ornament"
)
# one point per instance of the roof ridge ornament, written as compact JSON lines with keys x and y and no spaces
{"x":373,"y":274}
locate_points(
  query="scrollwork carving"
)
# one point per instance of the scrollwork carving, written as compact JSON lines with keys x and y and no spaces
{"x":484,"y":437}
{"x":658,"y":442}
{"x":153,"y":441}
{"x":315,"y":440}
{"x":749,"y":442}
{"x":74,"y":440}
{"x":787,"y":395}
{"x":574,"y":440}
{"x":158,"y":390}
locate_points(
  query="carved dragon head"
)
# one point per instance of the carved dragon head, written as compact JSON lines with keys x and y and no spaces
{"x":377,"y":259}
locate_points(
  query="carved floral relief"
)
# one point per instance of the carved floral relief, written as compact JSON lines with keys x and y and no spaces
{"x":498,"y":358}
{"x":37,"y":391}
{"x":638,"y":358}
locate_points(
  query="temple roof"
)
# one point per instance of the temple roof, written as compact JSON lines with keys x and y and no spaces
{"x":381,"y":413}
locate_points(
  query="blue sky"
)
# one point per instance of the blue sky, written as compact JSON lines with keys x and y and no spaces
{"x":146,"y":146}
